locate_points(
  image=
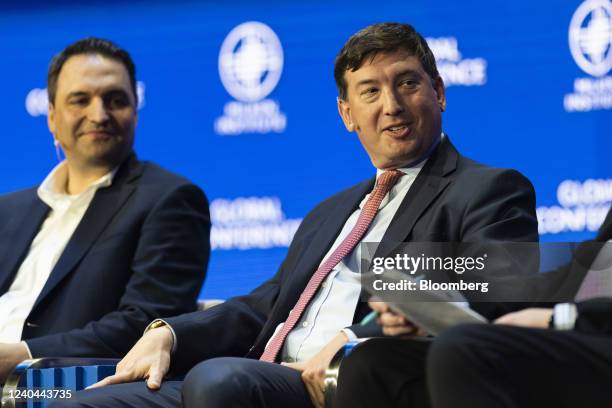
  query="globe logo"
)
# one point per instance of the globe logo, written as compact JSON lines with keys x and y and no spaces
{"x":590,"y":37}
{"x":250,"y":61}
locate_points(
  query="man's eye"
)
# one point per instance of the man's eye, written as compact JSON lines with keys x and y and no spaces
{"x":369,"y":92}
{"x":410,"y":83}
{"x":118,"y":102}
{"x":78,"y":102}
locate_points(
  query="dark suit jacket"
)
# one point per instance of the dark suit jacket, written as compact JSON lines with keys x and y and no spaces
{"x":140,"y":252}
{"x":452,"y":199}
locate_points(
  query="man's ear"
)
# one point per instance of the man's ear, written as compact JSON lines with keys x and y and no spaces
{"x":51,"y":118}
{"x":136,"y":105}
{"x":441,"y":92}
{"x":345,"y":113}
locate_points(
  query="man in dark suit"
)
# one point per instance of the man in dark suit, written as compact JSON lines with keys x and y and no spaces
{"x":535,"y":357}
{"x":106,"y":243}
{"x":392,"y":96}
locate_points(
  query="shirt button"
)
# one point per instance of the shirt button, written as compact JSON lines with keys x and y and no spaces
{"x":324,"y":285}
{"x":305,"y":324}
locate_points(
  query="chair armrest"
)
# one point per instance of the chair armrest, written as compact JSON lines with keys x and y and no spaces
{"x":331,"y":374}
{"x":52,"y":372}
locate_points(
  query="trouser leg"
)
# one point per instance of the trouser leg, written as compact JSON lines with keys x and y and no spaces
{"x":384,"y":372}
{"x":489,"y":366}
{"x":134,"y":394}
{"x":240,"y":382}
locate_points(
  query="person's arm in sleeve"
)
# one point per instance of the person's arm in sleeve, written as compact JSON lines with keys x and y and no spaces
{"x":168,"y":268}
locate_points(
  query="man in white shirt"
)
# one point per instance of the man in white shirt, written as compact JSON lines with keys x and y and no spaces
{"x":106,"y":242}
{"x":392,"y":96}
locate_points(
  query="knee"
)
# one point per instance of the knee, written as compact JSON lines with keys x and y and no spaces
{"x":359,"y":361}
{"x":368,"y":359}
{"x":363,"y":357}
{"x":453,"y":352}
{"x":215,"y":383}
{"x":451,"y":344}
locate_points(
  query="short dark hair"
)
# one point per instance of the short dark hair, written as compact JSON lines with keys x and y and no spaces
{"x":382,"y":37}
{"x":89,"y":45}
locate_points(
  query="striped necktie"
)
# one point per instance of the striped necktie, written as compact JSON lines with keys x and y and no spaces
{"x":384,"y":183}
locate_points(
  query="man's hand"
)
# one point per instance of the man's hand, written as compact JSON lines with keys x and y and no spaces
{"x":11,"y":354}
{"x":394,"y":324}
{"x":313,"y":370}
{"x":533,"y":317}
{"x":149,"y":358}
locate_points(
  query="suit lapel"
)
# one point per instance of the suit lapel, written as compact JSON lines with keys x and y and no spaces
{"x":430,"y":182}
{"x":325,"y":236}
{"x":21,"y":232}
{"x":105,"y":204}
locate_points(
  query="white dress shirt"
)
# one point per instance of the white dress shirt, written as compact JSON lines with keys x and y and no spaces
{"x":333,"y":307}
{"x":46,"y":248}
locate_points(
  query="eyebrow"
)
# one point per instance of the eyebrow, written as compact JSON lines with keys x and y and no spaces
{"x":76,"y":94}
{"x":84,"y":93}
{"x":401,"y":74}
{"x":410,"y":72}
{"x":365,"y":82}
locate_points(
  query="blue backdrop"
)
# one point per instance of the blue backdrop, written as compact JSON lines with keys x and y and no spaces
{"x":240,"y":98}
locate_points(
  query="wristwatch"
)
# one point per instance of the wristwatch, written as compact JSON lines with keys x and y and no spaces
{"x":156,"y":323}
{"x":161,"y":323}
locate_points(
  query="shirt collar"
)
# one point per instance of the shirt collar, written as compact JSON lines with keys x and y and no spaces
{"x":417,"y":165}
{"x":51,"y":191}
{"x":406,"y":170}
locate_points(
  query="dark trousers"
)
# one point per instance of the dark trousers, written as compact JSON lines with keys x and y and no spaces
{"x":219,"y":382}
{"x":384,"y":372}
{"x":489,"y":366}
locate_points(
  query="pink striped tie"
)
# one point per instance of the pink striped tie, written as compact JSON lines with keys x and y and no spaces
{"x":384,"y":183}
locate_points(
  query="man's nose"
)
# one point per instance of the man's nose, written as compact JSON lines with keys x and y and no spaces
{"x":97,"y":111}
{"x":392,"y":102}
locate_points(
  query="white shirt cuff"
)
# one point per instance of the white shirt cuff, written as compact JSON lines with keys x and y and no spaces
{"x":564,"y":316}
{"x":349,"y":333}
{"x":27,"y":349}
{"x":161,"y":323}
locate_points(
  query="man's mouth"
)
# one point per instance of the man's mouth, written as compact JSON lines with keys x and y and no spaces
{"x":98,"y":134}
{"x":397,"y":131}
